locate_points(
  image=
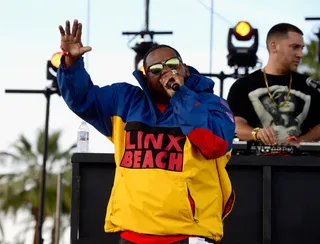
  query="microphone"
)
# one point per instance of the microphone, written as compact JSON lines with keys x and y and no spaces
{"x":313,"y":83}
{"x":174,"y":86}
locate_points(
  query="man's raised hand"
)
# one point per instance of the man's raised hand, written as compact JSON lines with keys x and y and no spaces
{"x":71,"y":41}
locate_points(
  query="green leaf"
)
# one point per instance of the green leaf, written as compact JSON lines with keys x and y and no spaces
{"x":20,"y":189}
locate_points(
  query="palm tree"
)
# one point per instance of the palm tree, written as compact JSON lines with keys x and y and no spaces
{"x":311,"y":60}
{"x":20,"y":189}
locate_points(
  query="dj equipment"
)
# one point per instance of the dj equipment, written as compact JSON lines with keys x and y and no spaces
{"x":254,"y":148}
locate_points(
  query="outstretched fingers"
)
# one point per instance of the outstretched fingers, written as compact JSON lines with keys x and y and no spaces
{"x":74,"y":28}
{"x":79,"y":32}
{"x":72,"y":41}
{"x":67,"y":27}
{"x":61,"y":31}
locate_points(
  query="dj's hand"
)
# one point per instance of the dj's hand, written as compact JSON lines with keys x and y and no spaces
{"x":267,"y":136}
{"x":292,"y":143}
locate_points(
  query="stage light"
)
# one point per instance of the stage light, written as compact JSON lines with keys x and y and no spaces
{"x":55,"y":60}
{"x":52,"y":68}
{"x":53,"y":65}
{"x":243,"y":31}
{"x":241,"y":56}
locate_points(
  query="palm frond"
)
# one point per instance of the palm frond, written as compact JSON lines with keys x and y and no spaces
{"x":20,"y":189}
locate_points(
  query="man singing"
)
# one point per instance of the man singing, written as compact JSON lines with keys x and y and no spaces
{"x":171,"y":145}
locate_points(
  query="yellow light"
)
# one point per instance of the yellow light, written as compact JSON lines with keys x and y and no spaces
{"x":142,"y":70}
{"x":55,"y":60}
{"x":243,"y":28}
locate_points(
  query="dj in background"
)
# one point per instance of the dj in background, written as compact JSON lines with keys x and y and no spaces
{"x":276,"y":105}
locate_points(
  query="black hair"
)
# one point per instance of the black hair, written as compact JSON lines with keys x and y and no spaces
{"x":155,"y":47}
{"x":282,"y":29}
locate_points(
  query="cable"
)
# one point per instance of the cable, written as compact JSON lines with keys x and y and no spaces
{"x":217,"y":14}
{"x":222,"y":18}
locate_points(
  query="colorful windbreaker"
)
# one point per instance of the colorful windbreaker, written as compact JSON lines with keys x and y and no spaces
{"x":161,"y":158}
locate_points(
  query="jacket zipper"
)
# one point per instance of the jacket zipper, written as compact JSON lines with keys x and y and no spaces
{"x":192,"y":205}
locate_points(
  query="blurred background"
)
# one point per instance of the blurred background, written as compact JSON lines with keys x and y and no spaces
{"x":30,"y":37}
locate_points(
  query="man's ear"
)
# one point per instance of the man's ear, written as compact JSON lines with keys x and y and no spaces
{"x":273,"y":46}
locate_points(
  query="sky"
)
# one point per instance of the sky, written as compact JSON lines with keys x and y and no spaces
{"x":30,"y":36}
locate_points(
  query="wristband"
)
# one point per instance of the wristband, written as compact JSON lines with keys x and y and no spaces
{"x":293,"y":138}
{"x":64,"y":52}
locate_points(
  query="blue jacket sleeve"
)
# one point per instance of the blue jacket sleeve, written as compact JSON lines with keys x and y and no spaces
{"x":206,"y":119}
{"x":90,"y":102}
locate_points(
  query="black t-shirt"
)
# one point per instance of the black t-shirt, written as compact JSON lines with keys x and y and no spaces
{"x":248,"y":98}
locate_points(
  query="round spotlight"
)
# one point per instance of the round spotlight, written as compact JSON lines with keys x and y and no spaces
{"x":55,"y":60}
{"x":243,"y":31}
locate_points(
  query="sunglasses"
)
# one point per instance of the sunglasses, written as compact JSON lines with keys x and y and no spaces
{"x":172,"y":63}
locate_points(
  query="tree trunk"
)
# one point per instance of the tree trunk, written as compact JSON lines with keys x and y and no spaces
{"x":53,"y":232}
{"x":35,"y":214}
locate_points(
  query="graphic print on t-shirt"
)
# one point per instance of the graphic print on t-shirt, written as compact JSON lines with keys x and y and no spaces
{"x":284,"y":119}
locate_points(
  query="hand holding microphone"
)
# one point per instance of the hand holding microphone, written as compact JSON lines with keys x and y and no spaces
{"x":174,"y":86}
{"x":172,"y":81}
